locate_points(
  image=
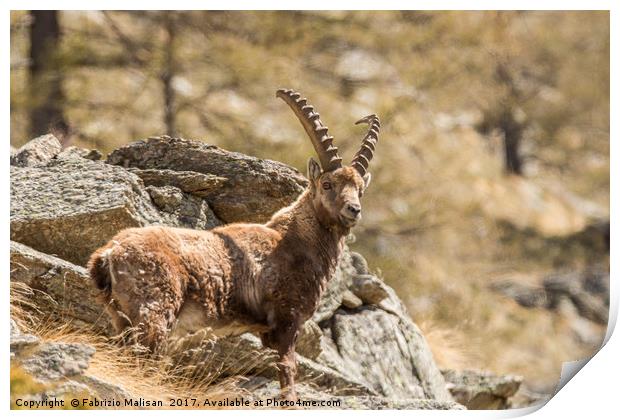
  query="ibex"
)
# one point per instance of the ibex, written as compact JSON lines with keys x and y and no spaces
{"x":266,"y":277}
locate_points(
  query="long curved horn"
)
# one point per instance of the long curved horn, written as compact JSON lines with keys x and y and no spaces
{"x":322,"y":142}
{"x":364,"y":155}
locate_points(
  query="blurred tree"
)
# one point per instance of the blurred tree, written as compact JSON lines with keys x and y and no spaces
{"x":168,"y":71}
{"x":154,"y":55}
{"x":46,"y":77}
{"x":503,"y":115}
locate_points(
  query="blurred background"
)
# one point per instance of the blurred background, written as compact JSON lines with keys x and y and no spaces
{"x":489,"y":207}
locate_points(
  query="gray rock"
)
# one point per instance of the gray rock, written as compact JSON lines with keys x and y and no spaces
{"x":359,"y":263}
{"x":65,"y":288}
{"x":206,"y":355}
{"x":309,"y":342}
{"x":73,"y":152}
{"x":185,"y":209}
{"x":53,"y":361}
{"x":58,"y":393}
{"x":587,"y":291}
{"x":330,"y":379}
{"x":261,"y":388}
{"x":103,"y":389}
{"x":214,"y":358}
{"x":68,"y":388}
{"x":482,"y":390}
{"x":196,"y":183}
{"x":361,"y":342}
{"x":37,"y":151}
{"x":350,"y":300}
{"x":71,"y":207}
{"x":391,"y":358}
{"x":254,"y":188}
{"x":582,"y":291}
{"x":370,"y":289}
{"x":19,"y":341}
{"x":524,"y":295}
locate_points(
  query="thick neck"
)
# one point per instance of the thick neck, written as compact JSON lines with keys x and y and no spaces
{"x":301,"y":221}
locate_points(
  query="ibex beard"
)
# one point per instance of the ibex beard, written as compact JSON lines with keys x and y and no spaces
{"x":267,"y":278}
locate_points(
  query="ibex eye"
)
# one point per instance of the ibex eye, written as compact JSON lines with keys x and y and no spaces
{"x":327,"y":185}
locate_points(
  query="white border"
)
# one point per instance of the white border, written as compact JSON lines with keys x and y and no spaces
{"x":593,"y":393}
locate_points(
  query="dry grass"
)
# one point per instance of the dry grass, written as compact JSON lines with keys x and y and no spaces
{"x":141,"y":376}
{"x":451,"y":347}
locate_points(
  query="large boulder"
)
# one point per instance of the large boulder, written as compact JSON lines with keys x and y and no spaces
{"x":60,"y":287}
{"x":383,"y":350}
{"x":70,"y":207}
{"x":253,"y":189}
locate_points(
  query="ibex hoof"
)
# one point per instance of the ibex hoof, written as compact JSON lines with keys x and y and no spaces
{"x":288,"y":395}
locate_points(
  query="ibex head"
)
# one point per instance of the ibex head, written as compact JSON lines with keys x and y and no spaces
{"x":336,"y":188}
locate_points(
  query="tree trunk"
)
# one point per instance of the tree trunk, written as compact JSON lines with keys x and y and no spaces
{"x":46,"y":111}
{"x":513,"y":133}
{"x":167,"y":75}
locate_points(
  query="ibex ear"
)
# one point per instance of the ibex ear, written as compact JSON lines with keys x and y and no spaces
{"x":314,"y":170}
{"x":367,"y":179}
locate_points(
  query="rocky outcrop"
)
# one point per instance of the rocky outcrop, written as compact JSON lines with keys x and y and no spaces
{"x":70,"y":207}
{"x":253,"y":188}
{"x":587,"y":291}
{"x":581,"y":299}
{"x":60,"y":287}
{"x":60,"y":368}
{"x":361,"y":343}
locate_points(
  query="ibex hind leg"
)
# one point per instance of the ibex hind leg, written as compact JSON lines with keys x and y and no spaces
{"x":147,"y":303}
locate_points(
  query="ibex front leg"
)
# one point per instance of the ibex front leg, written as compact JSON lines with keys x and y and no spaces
{"x":283,"y":340}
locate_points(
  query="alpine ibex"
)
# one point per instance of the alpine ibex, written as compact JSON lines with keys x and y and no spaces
{"x":266,"y":277}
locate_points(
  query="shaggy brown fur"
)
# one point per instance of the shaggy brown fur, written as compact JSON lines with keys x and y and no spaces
{"x":263,"y":278}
